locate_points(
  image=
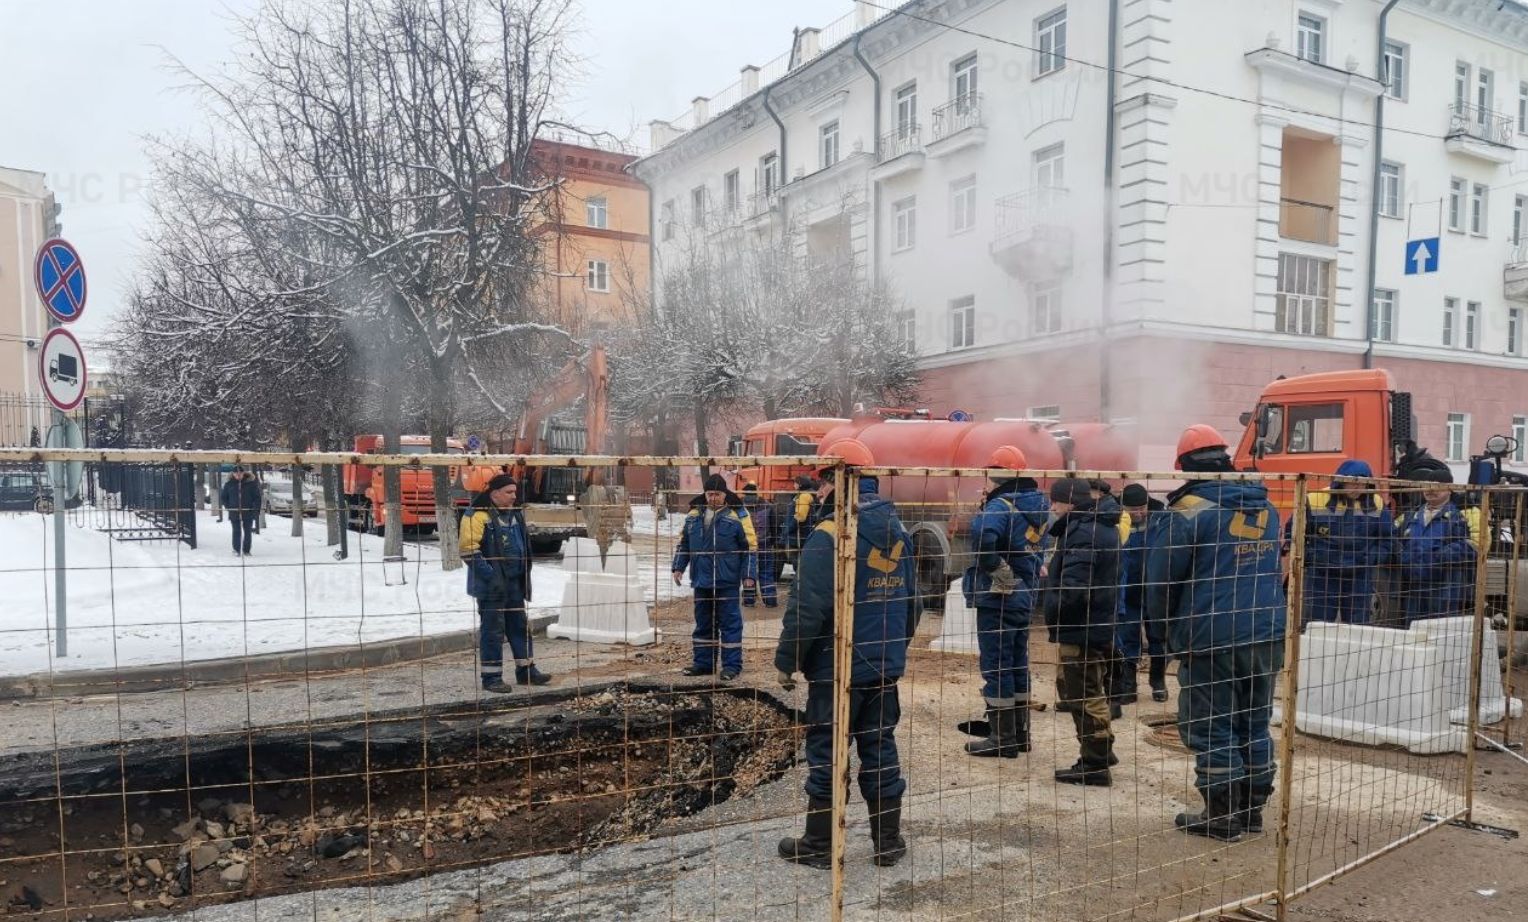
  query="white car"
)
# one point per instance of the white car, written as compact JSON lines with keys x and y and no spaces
{"x":278,"y":498}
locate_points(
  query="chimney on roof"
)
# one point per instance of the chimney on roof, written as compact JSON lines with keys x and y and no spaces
{"x":808,"y":46}
{"x":661,"y":134}
{"x":750,"y":82}
{"x":701,"y":109}
{"x":864,"y":14}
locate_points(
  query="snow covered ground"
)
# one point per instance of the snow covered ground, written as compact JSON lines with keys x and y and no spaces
{"x":140,"y":603}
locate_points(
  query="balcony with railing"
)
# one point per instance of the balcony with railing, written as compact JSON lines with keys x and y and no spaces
{"x":1515,"y":273}
{"x":1480,"y":133}
{"x":958,"y":125}
{"x":899,"y":151}
{"x":1311,"y":222}
{"x":1032,"y":236}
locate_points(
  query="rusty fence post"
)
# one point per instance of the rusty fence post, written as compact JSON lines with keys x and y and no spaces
{"x":1289,"y":701}
{"x":845,"y":520}
{"x":1477,"y":645}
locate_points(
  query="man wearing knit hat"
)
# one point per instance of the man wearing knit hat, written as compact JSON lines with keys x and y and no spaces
{"x":1348,"y":537}
{"x":496,"y":548}
{"x":718,"y":546}
{"x":1213,"y":577}
{"x":1435,"y":557}
{"x":1142,"y":510}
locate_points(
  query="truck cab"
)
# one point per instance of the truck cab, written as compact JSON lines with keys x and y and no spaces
{"x":798,"y":436}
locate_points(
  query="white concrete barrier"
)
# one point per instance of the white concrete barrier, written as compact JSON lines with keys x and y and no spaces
{"x":1453,"y":635}
{"x":957,"y":633}
{"x":602,"y":601}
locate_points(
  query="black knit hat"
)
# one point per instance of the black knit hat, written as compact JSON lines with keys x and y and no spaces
{"x":1070,"y":490}
{"x":499,"y":482}
{"x":1135,"y":495}
{"x":716,"y":483}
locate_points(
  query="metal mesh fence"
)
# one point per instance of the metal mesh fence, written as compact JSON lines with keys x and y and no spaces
{"x":1091,"y":719}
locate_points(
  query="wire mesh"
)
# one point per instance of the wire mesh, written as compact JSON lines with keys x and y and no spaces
{"x":318,"y":728}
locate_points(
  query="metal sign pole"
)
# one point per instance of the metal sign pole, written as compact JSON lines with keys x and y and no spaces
{"x":60,"y":577}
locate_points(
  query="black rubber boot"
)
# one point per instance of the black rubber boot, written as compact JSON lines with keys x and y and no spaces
{"x":886,"y":831}
{"x":530,"y":675}
{"x":1007,"y":734}
{"x":1158,"y":678}
{"x":1220,"y":818}
{"x":1096,"y":776}
{"x":1252,"y":809}
{"x":813,"y":848}
{"x":495,"y":683}
{"x":1123,"y":681}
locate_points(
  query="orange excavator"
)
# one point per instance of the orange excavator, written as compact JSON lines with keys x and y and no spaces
{"x":566,"y":502}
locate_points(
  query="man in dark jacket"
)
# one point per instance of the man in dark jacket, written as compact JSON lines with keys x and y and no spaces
{"x":795,"y":516}
{"x":1142,"y":510}
{"x":240,"y":497}
{"x":496,"y":549}
{"x":1349,"y":536}
{"x":1435,"y":555}
{"x":1079,"y":598}
{"x":1213,"y":576}
{"x":763,"y":518}
{"x":884,"y":618}
{"x":717,"y":545}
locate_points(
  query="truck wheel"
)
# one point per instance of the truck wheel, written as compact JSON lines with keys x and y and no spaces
{"x":928,"y":562}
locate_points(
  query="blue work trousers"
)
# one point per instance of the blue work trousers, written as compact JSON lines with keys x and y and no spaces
{"x":500,"y":620}
{"x":1224,"y":706}
{"x":718,"y":623}
{"x":1002,"y":639}
{"x":874,"y":711}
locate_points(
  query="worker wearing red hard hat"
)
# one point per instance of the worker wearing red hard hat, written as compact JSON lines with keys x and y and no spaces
{"x":885,"y":616}
{"x":1007,"y":536}
{"x":1213,"y":577}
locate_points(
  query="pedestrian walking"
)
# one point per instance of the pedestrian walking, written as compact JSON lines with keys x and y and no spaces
{"x":497,"y":550}
{"x":1349,"y":535}
{"x":1079,"y":596}
{"x":240,"y":498}
{"x":718,"y":546}
{"x":1142,"y":510}
{"x":763,"y":521}
{"x":1007,"y":538}
{"x":1213,"y":577}
{"x":1435,"y":554}
{"x":885,"y":618}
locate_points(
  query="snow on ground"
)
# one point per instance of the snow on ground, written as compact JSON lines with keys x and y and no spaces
{"x":141,"y":603}
{"x":644,"y":523}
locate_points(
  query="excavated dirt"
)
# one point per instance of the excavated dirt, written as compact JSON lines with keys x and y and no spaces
{"x":143,"y":829}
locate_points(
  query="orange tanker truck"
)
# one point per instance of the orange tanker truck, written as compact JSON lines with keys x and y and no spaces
{"x":366,"y":499}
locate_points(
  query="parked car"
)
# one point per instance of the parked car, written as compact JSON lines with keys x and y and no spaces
{"x":24,"y":491}
{"x":278,"y":498}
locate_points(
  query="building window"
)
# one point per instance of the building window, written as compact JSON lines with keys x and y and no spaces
{"x":1390,"y":184}
{"x":828,"y":144}
{"x":963,"y":322}
{"x":1518,"y":204}
{"x":1520,"y":436}
{"x":1382,"y":315}
{"x":907,"y":329}
{"x":769,"y":173}
{"x":1458,"y":435}
{"x":1450,"y":320}
{"x":1048,"y":413}
{"x":732,"y":192}
{"x":1461,"y":84}
{"x":1456,"y":193}
{"x":907,"y":111}
{"x":597,"y":212}
{"x":1478,"y":210}
{"x":1310,"y":38}
{"x":905,"y":216}
{"x":1485,"y":95}
{"x":1472,"y":324}
{"x":962,"y":205}
{"x":1522,"y":108}
{"x":964,"y":83}
{"x":698,"y":206}
{"x":1514,"y":331}
{"x":1304,"y":305}
{"x":1395,"y":71}
{"x":666,"y":216}
{"x":1045,"y":309}
{"x":1050,"y":167}
{"x":1050,"y":42}
{"x":599,"y":275}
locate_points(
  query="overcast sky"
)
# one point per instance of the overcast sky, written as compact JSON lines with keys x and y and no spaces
{"x":85,"y":80}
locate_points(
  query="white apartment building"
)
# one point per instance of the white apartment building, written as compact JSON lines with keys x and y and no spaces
{"x":28,"y":216}
{"x":1144,"y":210}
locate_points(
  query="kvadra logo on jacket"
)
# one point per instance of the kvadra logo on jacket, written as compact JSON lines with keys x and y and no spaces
{"x":882,"y":562}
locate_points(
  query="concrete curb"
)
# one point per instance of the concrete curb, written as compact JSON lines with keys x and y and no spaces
{"x":238,"y":670}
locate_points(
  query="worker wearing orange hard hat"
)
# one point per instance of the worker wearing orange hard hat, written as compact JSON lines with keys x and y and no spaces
{"x":1213,"y":577}
{"x":1006,"y":541}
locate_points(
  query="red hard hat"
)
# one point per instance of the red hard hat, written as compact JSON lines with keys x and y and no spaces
{"x":1198,"y":437}
{"x":1008,"y":458}
{"x":852,"y":452}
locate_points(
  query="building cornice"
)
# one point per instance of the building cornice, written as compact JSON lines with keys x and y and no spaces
{"x":1489,"y":20}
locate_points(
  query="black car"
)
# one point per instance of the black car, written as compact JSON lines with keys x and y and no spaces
{"x":23,"y":491}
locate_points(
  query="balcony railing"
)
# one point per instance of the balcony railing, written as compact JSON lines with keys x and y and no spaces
{"x":1311,"y":222}
{"x":903,"y":140}
{"x":1481,"y":124}
{"x":763,"y":202}
{"x":957,"y":115}
{"x":1022,"y":212}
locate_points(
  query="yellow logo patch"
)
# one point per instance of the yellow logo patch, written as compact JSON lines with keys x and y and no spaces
{"x":882,"y":562}
{"x":1249,"y":527}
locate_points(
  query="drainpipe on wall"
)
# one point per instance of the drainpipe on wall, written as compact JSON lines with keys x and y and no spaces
{"x":1379,"y":156}
{"x":875,"y":139}
{"x":784,"y":164}
{"x":1105,"y":376}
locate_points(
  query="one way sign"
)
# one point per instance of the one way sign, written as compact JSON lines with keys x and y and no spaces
{"x":1422,"y":256}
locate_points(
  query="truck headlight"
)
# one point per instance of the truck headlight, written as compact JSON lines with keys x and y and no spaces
{"x":572,"y":499}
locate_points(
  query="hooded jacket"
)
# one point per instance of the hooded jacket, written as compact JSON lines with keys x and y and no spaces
{"x":1010,"y":528}
{"x":719,"y":555}
{"x":1212,"y":568}
{"x":885,"y":603}
{"x":1436,"y":561}
{"x":1082,"y":581}
{"x":496,"y":548}
{"x":1132,"y":562}
{"x":240,"y":496}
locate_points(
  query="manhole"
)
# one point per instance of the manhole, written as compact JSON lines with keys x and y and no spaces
{"x":171,"y":825}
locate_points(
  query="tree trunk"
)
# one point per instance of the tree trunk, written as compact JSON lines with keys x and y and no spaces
{"x":392,"y":481}
{"x":335,"y":516}
{"x":771,"y":408}
{"x":199,"y":495}
{"x":215,"y":489}
{"x":441,"y":479}
{"x":299,"y":507}
{"x":702,"y":445}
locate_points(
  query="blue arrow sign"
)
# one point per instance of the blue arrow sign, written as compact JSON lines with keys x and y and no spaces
{"x":60,"y":278}
{"x":1422,"y":256}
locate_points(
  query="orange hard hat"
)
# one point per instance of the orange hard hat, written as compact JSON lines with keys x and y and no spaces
{"x":1199,"y":437}
{"x":1008,"y":458}
{"x":852,"y":452}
